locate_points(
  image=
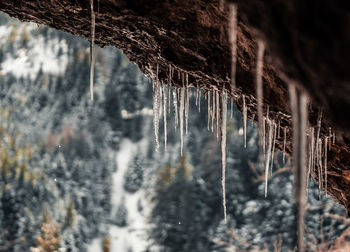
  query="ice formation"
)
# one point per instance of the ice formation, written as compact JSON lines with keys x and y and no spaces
{"x":165,"y":94}
{"x":156,"y":104}
{"x":298,"y":102}
{"x":223,"y":108}
{"x":181,"y":117}
{"x":284,"y":145}
{"x":244,"y":121}
{"x":268,"y":153}
{"x":92,"y":49}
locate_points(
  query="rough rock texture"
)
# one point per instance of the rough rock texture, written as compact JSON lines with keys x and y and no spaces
{"x":191,"y":36}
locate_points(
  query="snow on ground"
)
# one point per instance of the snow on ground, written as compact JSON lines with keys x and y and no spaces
{"x":40,"y":53}
{"x":133,"y":235}
{"x":96,"y":245}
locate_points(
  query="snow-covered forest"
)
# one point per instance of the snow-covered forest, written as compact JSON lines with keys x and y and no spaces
{"x":91,"y":173}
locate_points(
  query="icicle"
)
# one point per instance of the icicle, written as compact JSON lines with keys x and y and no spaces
{"x":169,"y":97}
{"x":284,"y":145}
{"x":92,"y":50}
{"x":264,"y":130}
{"x":156,"y":101}
{"x":197,"y":95}
{"x":244,"y":121}
{"x":165,"y":92}
{"x":233,"y":41}
{"x":199,"y":102}
{"x":170,"y":76}
{"x":319,"y":121}
{"x":213,"y":109}
{"x":259,"y":96}
{"x":175,"y":99}
{"x":268,"y":154}
{"x":311,"y":157}
{"x":333,"y":140}
{"x":273,"y":145}
{"x":187,"y":108}
{"x":181,"y":117}
{"x":298,"y":102}
{"x":217,"y":113}
{"x":253,"y":119}
{"x":319,"y":160}
{"x":223,"y":147}
{"x":264,"y":137}
{"x":325,"y":164}
{"x":209,"y":109}
{"x":278,"y":129}
{"x":318,"y":151}
{"x":187,"y":101}
{"x":231,"y":109}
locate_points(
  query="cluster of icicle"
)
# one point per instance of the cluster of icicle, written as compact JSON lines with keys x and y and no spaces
{"x":306,"y":141}
{"x":318,"y":147}
{"x":269,"y":130}
{"x":162,"y":94}
{"x":167,"y":95}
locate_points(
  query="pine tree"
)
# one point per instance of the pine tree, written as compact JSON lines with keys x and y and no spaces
{"x":49,"y":239}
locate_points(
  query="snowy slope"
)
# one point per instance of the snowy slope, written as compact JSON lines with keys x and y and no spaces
{"x":132,"y":236}
{"x":48,"y":55}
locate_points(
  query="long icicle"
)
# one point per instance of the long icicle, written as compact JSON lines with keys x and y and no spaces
{"x":199,"y":101}
{"x":284,"y":145}
{"x":244,"y":121}
{"x":223,"y":106}
{"x":266,"y":118}
{"x":273,"y":146}
{"x":181,"y":117}
{"x":165,"y":93}
{"x":187,"y":101}
{"x":268,"y":154}
{"x":156,"y":111}
{"x":320,"y":164}
{"x":317,"y":149}
{"x":213,"y":109}
{"x":311,"y":155}
{"x":325,"y":165}
{"x":169,"y":86}
{"x":217,"y":113}
{"x":209,"y":109}
{"x":92,"y":49}
{"x":233,"y":42}
{"x":259,"y":96}
{"x":298,"y":102}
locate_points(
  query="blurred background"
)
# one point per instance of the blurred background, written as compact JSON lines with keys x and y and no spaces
{"x":77,"y":175}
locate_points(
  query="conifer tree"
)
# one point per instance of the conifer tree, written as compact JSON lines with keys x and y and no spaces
{"x":49,"y":239}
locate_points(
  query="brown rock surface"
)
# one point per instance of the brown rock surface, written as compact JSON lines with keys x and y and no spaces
{"x":192,"y":37}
